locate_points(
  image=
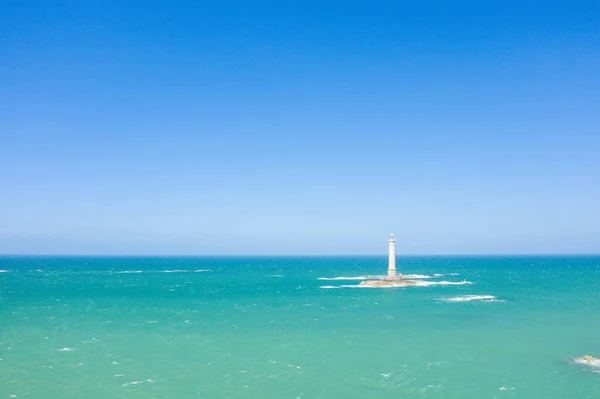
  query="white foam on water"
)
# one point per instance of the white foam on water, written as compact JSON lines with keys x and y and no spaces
{"x":420,"y":276}
{"x":468,"y":298}
{"x":401,"y":285}
{"x":184,"y":271}
{"x":344,"y":278}
{"x":135,"y":383}
{"x":428,"y":283}
{"x":592,"y":363}
{"x":4,"y":271}
{"x":368,"y":286}
{"x":328,"y":287}
{"x":407,"y":276}
{"x":505,"y":389}
{"x":65,"y":350}
{"x":162,"y":271}
{"x":131,"y":383}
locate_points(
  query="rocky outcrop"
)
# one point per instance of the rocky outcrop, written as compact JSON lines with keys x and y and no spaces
{"x":383,"y":283}
{"x":588,"y":360}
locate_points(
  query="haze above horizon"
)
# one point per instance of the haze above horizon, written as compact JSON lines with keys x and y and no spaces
{"x":191,"y":128}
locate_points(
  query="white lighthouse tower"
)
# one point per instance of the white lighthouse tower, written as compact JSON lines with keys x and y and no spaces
{"x":392,"y":257}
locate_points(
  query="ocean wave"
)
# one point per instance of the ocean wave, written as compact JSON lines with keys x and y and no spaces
{"x":328,"y":287}
{"x":407,"y":276}
{"x":400,"y":285}
{"x":161,"y":271}
{"x":468,"y":298}
{"x":435,"y":275}
{"x":343,"y":278}
{"x":353,"y":286}
{"x":419,"y":284}
{"x":428,"y":283}
{"x":420,"y":276}
{"x":4,"y":271}
{"x":135,"y":383}
{"x":184,"y":271}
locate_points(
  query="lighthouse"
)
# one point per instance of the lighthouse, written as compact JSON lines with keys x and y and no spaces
{"x":392,"y":257}
{"x":392,"y":279}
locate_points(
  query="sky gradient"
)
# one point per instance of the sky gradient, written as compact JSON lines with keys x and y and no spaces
{"x":174,"y":127}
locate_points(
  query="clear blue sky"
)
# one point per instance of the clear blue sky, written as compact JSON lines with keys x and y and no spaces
{"x":172,"y":127}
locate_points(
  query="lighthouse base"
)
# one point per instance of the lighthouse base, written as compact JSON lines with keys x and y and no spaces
{"x":395,"y":281}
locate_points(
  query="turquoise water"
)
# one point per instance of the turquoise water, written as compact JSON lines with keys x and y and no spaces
{"x":109,"y":327}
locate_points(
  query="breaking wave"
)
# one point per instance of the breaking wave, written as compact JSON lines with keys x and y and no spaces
{"x":135,"y":383}
{"x":420,"y":276}
{"x":160,"y":271}
{"x":468,"y":298}
{"x":348,"y":278}
{"x":407,"y":276}
{"x":428,"y":283}
{"x":366,"y":286}
{"x":184,"y":271}
{"x":419,"y":284}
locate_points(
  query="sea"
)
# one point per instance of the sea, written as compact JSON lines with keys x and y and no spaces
{"x":298,"y":327}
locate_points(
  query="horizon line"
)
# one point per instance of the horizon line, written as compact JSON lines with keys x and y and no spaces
{"x":299,"y":255}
